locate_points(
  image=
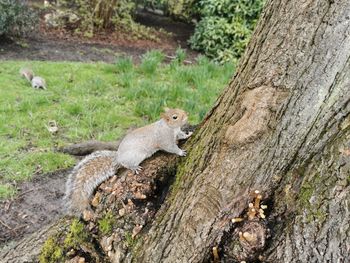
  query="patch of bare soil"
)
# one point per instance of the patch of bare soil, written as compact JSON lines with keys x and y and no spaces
{"x":38,"y":202}
{"x":55,"y":45}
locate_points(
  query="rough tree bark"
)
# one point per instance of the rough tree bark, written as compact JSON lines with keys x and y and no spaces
{"x":282,"y":127}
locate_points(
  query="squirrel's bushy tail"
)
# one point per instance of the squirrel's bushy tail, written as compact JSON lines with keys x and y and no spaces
{"x":85,"y":177}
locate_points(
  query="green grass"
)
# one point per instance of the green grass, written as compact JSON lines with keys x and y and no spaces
{"x":92,"y":101}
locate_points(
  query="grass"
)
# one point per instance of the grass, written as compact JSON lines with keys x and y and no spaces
{"x":92,"y":101}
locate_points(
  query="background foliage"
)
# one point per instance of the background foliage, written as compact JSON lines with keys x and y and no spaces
{"x":95,"y":15}
{"x":223,"y":30}
{"x":225,"y":27}
{"x":182,"y":9}
{"x":16,"y":19}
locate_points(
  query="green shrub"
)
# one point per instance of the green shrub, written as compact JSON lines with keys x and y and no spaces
{"x":16,"y":19}
{"x":225,"y":27}
{"x":94,"y":15}
{"x":182,"y":9}
{"x":154,"y":4}
{"x":89,"y":17}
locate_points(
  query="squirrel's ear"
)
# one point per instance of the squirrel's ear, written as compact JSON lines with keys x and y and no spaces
{"x":166,"y":109}
{"x":164,"y":116}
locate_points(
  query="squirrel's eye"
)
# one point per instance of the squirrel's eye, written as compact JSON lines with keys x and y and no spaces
{"x":174,"y":117}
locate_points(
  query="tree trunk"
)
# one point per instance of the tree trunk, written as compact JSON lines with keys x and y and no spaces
{"x":281,"y":127}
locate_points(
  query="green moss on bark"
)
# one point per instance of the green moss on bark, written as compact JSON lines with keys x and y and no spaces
{"x":71,"y":237}
{"x":51,"y":251}
{"x":105,"y":224}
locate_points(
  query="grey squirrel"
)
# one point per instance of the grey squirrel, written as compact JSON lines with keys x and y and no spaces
{"x":136,"y":146}
{"x":36,"y":81}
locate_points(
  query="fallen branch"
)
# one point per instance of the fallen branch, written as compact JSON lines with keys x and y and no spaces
{"x":173,"y":57}
{"x":88,"y":147}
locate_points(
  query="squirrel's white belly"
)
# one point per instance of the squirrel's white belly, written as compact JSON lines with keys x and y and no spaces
{"x":133,"y":156}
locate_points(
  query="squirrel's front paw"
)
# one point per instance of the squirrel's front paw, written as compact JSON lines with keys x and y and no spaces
{"x":183,"y":153}
{"x":136,"y":169}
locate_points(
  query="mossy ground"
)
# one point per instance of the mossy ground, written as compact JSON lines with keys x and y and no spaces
{"x":92,"y":101}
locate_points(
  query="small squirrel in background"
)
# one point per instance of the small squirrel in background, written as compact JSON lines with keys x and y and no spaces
{"x":36,"y":81}
{"x":136,"y":146}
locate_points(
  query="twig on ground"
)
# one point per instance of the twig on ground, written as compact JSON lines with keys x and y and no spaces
{"x":26,"y":192}
{"x":5,"y":225}
{"x":8,"y":205}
